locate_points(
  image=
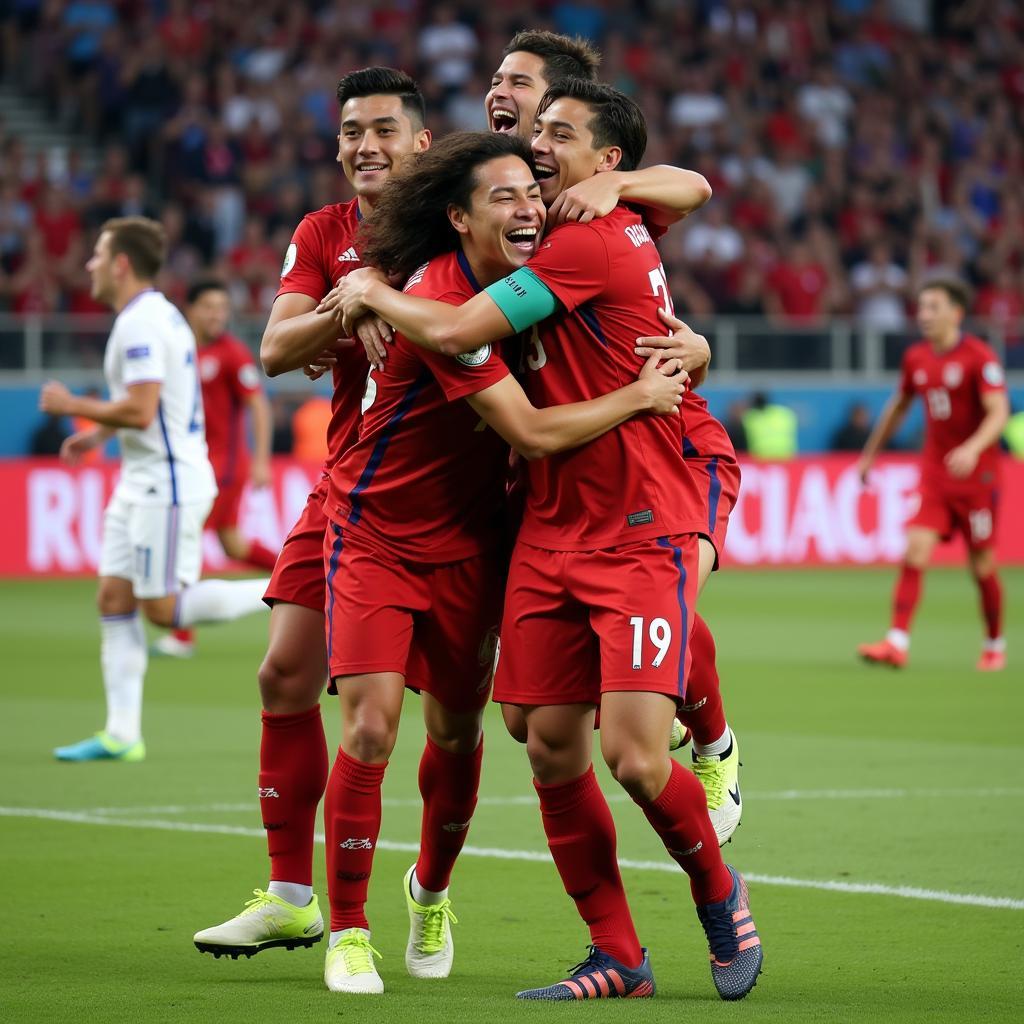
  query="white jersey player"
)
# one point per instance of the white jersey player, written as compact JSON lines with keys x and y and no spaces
{"x":152,"y":527}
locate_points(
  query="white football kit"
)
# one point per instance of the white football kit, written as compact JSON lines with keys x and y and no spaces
{"x":153,"y":524}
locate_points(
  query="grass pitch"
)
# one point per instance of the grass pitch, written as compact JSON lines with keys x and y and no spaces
{"x":911,"y":783}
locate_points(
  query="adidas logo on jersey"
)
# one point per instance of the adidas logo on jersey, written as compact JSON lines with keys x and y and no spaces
{"x":349,"y":256}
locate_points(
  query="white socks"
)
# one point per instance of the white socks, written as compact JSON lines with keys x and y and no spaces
{"x":123,"y":659}
{"x":720,"y":746}
{"x":219,"y":601}
{"x":425,"y":896}
{"x":899,"y":638}
{"x":998,"y":645}
{"x":291,"y":892}
{"x":333,"y":940}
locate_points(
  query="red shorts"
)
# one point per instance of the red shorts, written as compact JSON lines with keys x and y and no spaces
{"x":712,"y":460}
{"x":298,"y":576}
{"x":226,"y":505}
{"x":967,"y":509}
{"x":435,"y":624}
{"x":580,"y":623}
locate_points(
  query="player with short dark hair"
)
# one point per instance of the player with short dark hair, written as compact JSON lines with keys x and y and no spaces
{"x":961,"y":382}
{"x":608,"y":546}
{"x":231,"y":388}
{"x":416,"y":555}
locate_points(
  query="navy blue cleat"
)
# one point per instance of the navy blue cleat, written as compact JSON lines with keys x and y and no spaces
{"x":735,"y":948}
{"x":599,"y":977}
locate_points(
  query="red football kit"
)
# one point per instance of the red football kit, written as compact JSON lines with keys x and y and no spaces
{"x":603,"y":581}
{"x":951,"y":385}
{"x":413,"y":555}
{"x":322,"y":251}
{"x":228,"y":375}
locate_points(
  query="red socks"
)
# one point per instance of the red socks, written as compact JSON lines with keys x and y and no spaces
{"x":991,"y":590}
{"x":702,"y":713}
{"x":352,"y":819}
{"x":905,"y":597}
{"x":260,"y":556}
{"x":448,"y":785}
{"x":293,"y":773}
{"x":680,"y":817}
{"x":186,"y":636}
{"x":581,"y":837}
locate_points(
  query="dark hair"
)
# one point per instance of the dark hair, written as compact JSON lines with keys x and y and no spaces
{"x":199,"y":288}
{"x":385,"y":82}
{"x":410,"y":222}
{"x":564,"y":56}
{"x":142,"y":240}
{"x":957,"y":291}
{"x":617,"y":120}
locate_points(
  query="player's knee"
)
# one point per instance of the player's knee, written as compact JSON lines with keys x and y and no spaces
{"x":234,"y":545}
{"x":160,"y":612}
{"x":515,"y":722}
{"x":639,"y":773}
{"x":285,"y":689}
{"x":371,"y":736}
{"x":546,"y":759}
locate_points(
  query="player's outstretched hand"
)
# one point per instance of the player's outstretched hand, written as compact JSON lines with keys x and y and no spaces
{"x":864,"y":470}
{"x":593,"y":197}
{"x":665,"y":382}
{"x":684,"y":344}
{"x":260,"y":474}
{"x":961,"y":461}
{"x":54,"y":398}
{"x":375,"y":335}
{"x":77,"y":446}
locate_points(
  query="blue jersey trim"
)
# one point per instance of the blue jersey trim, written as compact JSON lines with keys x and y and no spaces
{"x":467,"y":270}
{"x":170,"y":454}
{"x":689,"y":448}
{"x":677,"y":558}
{"x":589,"y":317}
{"x":377,"y":455}
{"x":336,"y":550}
{"x":714,"y":493}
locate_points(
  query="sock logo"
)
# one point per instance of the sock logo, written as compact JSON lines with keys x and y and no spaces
{"x":694,"y":707}
{"x":356,"y":844}
{"x":352,"y":876}
{"x":686,"y":853}
{"x":456,"y":826}
{"x":266,"y":792}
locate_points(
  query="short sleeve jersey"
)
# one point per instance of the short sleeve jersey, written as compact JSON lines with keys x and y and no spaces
{"x":426,"y":478}
{"x":951,"y":385}
{"x":167,"y":463}
{"x":631,"y":483}
{"x":229,"y":377}
{"x":321,"y":252}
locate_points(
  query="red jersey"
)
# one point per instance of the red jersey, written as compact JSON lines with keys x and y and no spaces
{"x":322,"y":251}
{"x":426,"y":478}
{"x":951,"y":385}
{"x":228,"y":375}
{"x":631,"y":483}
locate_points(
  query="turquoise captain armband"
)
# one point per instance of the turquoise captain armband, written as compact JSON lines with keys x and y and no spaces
{"x":524,"y":298}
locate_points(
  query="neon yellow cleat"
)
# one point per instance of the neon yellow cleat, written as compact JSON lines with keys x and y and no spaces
{"x":267,"y":921}
{"x":430,"y":951}
{"x":350,"y":966}
{"x":719,"y":775}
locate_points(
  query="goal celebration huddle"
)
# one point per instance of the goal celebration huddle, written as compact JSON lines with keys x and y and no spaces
{"x":523,"y":499}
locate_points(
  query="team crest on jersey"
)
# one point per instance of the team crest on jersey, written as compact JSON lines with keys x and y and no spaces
{"x":920,"y":378}
{"x":208,"y":368}
{"x":475,"y":358}
{"x":289,"y":259}
{"x":953,"y":375}
{"x":993,"y":374}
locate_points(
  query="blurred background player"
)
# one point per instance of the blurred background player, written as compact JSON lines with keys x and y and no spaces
{"x":381,"y":125}
{"x":960,"y":380}
{"x":231,"y":387}
{"x":152,"y":527}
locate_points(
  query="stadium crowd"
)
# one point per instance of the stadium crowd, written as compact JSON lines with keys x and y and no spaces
{"x":853,"y":146}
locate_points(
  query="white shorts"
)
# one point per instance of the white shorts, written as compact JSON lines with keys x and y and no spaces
{"x":157,"y":547}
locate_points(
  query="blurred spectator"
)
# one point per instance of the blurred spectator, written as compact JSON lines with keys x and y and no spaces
{"x":880,"y":287}
{"x":309,"y":429}
{"x":49,"y":436}
{"x":770,"y":429}
{"x":733,"y":424}
{"x":851,"y":435}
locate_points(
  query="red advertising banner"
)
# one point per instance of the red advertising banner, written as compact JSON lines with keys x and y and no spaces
{"x":812,"y":511}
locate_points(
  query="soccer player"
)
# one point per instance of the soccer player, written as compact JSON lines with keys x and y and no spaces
{"x":608,"y":546}
{"x":381,"y":126}
{"x":415,"y":583}
{"x":152,"y":527}
{"x":231,"y":387}
{"x":961,"y":383}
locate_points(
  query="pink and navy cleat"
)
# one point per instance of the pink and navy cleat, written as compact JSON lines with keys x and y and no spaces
{"x":599,"y":977}
{"x":735,"y":948}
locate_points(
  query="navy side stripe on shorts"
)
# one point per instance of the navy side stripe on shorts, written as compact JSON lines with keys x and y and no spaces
{"x":677,"y":558}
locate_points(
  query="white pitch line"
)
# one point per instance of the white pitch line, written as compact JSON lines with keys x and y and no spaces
{"x":531,"y":800}
{"x":534,"y":856}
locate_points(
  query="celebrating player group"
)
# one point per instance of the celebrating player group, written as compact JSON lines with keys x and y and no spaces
{"x":522,"y":488}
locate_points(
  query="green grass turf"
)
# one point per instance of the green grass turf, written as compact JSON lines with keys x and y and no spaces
{"x":99,"y":920}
